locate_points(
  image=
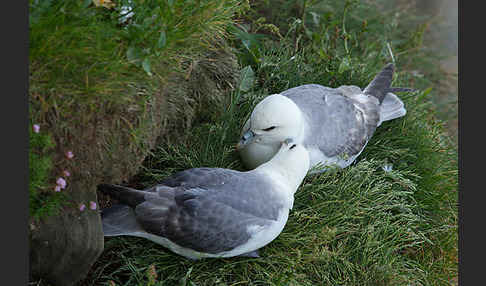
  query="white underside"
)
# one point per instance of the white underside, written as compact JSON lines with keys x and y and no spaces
{"x":254,"y":154}
{"x":391,"y":107}
{"x":321,"y":162}
{"x":261,"y":236}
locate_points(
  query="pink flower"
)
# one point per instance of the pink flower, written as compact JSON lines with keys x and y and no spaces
{"x":61,"y":183}
{"x":69,"y":154}
{"x":66,"y":173}
{"x":82,"y":207}
{"x":92,"y":205}
{"x":36,"y":128}
{"x":57,"y":188}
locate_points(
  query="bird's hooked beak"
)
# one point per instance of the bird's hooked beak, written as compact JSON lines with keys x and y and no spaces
{"x":247,"y":137}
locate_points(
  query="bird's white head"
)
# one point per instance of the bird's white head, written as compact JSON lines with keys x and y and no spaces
{"x":273,"y":120}
{"x":291,"y":162}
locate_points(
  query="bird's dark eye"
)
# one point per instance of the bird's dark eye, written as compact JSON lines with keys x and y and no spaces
{"x":291,"y":147}
{"x":269,"y":128}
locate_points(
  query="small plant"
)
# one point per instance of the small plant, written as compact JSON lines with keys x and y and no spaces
{"x":44,"y":199}
{"x":46,"y":195}
{"x":151,"y":275}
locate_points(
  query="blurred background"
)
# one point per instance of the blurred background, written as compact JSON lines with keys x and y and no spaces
{"x":440,"y":18}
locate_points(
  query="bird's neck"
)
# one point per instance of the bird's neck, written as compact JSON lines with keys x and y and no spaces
{"x":280,"y":172}
{"x":281,"y":183}
{"x":300,"y":129}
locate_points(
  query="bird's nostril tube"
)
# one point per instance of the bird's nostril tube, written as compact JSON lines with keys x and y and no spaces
{"x":247,"y":135}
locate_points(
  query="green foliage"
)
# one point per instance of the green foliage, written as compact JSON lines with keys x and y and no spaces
{"x":84,"y":53}
{"x":208,"y":145}
{"x":426,"y":151}
{"x":158,"y":26}
{"x":336,"y":40}
{"x":247,"y":79}
{"x":249,"y":45}
{"x":158,"y":29}
{"x":42,"y":200}
{"x":88,"y":70}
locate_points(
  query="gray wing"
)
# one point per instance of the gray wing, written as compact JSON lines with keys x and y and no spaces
{"x":210,"y":219}
{"x":338,"y":124}
{"x":197,"y":176}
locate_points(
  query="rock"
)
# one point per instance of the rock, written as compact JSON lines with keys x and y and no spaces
{"x":63,"y":247}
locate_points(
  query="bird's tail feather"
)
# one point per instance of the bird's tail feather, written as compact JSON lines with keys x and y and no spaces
{"x":120,"y":220}
{"x":401,"y":89}
{"x":380,"y":85}
{"x":126,"y":195}
{"x":391,"y":107}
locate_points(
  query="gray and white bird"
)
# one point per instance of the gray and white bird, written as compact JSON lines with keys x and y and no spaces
{"x":211,"y":212}
{"x":334,"y":124}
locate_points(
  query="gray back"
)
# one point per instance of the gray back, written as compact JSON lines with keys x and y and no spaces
{"x":209,"y":210}
{"x":335,"y":124}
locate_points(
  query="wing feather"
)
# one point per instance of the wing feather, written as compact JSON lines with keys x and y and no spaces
{"x":337,"y":124}
{"x":209,"y":210}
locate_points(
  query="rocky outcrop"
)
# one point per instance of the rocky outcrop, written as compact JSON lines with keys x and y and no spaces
{"x":63,"y":247}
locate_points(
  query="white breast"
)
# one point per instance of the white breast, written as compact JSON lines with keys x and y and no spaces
{"x":255,"y":154}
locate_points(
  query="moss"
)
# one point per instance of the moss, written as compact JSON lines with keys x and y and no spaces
{"x":42,"y":199}
{"x":106,"y":91}
{"x":91,"y":92}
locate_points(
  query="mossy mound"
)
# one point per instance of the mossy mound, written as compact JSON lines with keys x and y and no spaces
{"x":107,"y":107}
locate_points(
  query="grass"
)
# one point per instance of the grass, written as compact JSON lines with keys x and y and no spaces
{"x":356,"y":226}
{"x":101,"y":88}
{"x":429,"y":52}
